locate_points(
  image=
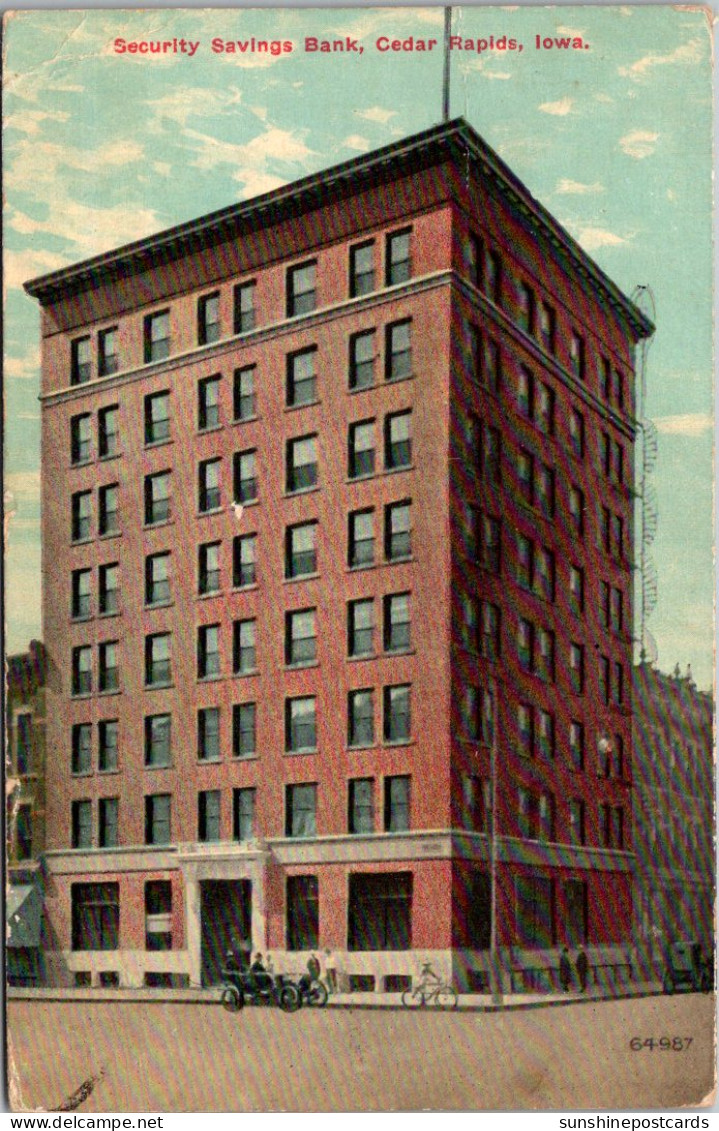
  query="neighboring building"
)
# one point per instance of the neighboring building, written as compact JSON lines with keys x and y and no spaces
{"x":337,"y":492}
{"x":25,"y":821}
{"x":673,"y":791}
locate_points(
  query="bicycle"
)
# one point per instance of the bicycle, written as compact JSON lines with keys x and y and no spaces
{"x":430,"y":990}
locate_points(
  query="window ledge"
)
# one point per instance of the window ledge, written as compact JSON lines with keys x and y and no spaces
{"x":210,"y":429}
{"x":110,"y":691}
{"x":246,"y":503}
{"x":148,"y":605}
{"x":249,"y":672}
{"x":210,"y":678}
{"x":81,"y":773}
{"x":208,"y":596}
{"x":158,"y":525}
{"x":158,"y":686}
{"x":81,"y":541}
{"x":109,"y":456}
{"x":398,"y":380}
{"x":81,"y":694}
{"x":365,"y":656}
{"x":109,"y":535}
{"x":159,"y":766}
{"x":246,"y":419}
{"x":209,"y":761}
{"x":301,"y":665}
{"x":83,"y":619}
{"x":304,"y":404}
{"x":301,"y":752}
{"x":245,"y":757}
{"x":362,"y":746}
{"x":209,"y":511}
{"x":398,"y":741}
{"x":107,"y":616}
{"x":300,"y":577}
{"x":115,"y":770}
{"x":159,"y":443}
{"x":249,"y":588}
{"x":300,"y":491}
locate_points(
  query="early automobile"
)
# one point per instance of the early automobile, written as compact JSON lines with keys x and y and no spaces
{"x":686,"y":968}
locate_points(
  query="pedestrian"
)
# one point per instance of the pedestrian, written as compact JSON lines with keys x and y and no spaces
{"x":313,"y":967}
{"x":565,"y":970}
{"x":331,"y":971}
{"x":582,"y":969}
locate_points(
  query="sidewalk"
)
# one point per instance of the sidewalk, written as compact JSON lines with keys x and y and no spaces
{"x":477,"y":1003}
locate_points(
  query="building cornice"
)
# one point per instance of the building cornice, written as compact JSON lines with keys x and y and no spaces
{"x":431,"y":147}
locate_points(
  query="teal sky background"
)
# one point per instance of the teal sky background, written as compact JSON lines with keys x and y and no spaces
{"x":615,"y":140}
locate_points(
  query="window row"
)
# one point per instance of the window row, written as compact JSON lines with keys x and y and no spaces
{"x":108,"y":435}
{"x":536,"y":738}
{"x":300,"y":298}
{"x":537,"y":820}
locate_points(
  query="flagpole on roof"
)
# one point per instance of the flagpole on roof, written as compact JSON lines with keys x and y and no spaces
{"x":445,"y":81}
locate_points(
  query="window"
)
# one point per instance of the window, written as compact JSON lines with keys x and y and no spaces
{"x":491,"y":454}
{"x":490,"y":362}
{"x":484,"y":268}
{"x":81,"y":515}
{"x":244,"y":560}
{"x":525,"y":727}
{"x":243,"y":393}
{"x":398,"y":440}
{"x":157,"y":336}
{"x":81,"y":824}
{"x":576,"y":588}
{"x":545,"y":654}
{"x":303,"y":913}
{"x":109,"y":675}
{"x":618,"y":684}
{"x":468,"y":621}
{"x":475,"y":803}
{"x":157,"y":740}
{"x":80,"y":600}
{"x":301,"y":725}
{"x":108,"y":360}
{"x":108,"y":443}
{"x":244,"y":307}
{"x":604,"y":830}
{"x":80,"y":438}
{"x":525,"y":308}
{"x":525,"y":645}
{"x":81,"y":748}
{"x":576,"y":916}
{"x":158,"y":915}
{"x":360,"y":718}
{"x":244,"y":646}
{"x":606,"y":378}
{"x":612,"y":459}
{"x":210,"y":497}
{"x":208,"y":403}
{"x":243,"y":813}
{"x":576,"y":745}
{"x":490,"y":546}
{"x":301,"y":550}
{"x":360,"y":816}
{"x":398,"y":350}
{"x":107,"y":822}
{"x":157,"y":417}
{"x":396,"y":622}
{"x":544,"y":489}
{"x":360,"y":628}
{"x":525,"y":476}
{"x":397,"y":722}
{"x":604,"y":679}
{"x":362,"y":269}
{"x":525,"y":393}
{"x":397,"y":531}
{"x":82,"y":670}
{"x":362,"y":355}
{"x":398,"y":265}
{"x":576,"y":432}
{"x":576,"y":356}
{"x":361,"y":538}
{"x":300,"y":637}
{"x":208,"y":815}
{"x":528,"y":814}
{"x":107,"y":732}
{"x":81,"y":361}
{"x":546,"y":817}
{"x":208,"y":651}
{"x":545,"y":735}
{"x":108,"y":522}
{"x":576,"y":509}
{"x":158,"y":668}
{"x":208,"y":319}
{"x":490,"y":641}
{"x":157,"y":818}
{"x":547,"y":322}
{"x":300,"y":810}
{"x":301,"y":289}
{"x":525,"y":562}
{"x":544,"y":573}
{"x":157,"y":498}
{"x":613,"y":607}
{"x":302,"y":377}
{"x":617,"y":389}
{"x":361,"y":449}
{"x":108,"y":601}
{"x":95,"y":916}
{"x":157,"y":579}
{"x":616,"y":825}
{"x":301,"y":463}
{"x":576,"y":667}
{"x":617,"y":756}
{"x":23,"y":832}
{"x":576,"y":821}
{"x":244,"y":730}
{"x":544,"y":409}
{"x":396,"y":804}
{"x":380,"y":911}
{"x":209,"y":568}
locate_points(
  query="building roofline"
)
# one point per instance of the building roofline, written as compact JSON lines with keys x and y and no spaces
{"x":413,"y":152}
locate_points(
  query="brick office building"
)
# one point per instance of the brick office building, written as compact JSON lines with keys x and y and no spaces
{"x":337,"y":504}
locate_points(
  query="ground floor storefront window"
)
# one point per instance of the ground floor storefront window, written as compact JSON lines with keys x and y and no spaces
{"x":380,"y":911}
{"x":302,"y":913}
{"x":95,"y":916}
{"x":535,"y":911}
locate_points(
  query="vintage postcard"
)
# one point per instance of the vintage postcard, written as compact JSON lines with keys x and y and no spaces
{"x":358,"y":546}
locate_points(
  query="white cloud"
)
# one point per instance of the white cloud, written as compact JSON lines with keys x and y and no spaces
{"x":570,"y":31}
{"x":23,"y":486}
{"x":25,"y":368}
{"x":686,"y":53}
{"x":28,"y":416}
{"x":193,"y":102}
{"x":19,"y":266}
{"x":592,"y":238}
{"x":638,"y":143}
{"x":560,"y":108}
{"x":376,"y":114}
{"x":686,"y":424}
{"x":30,"y":121}
{"x":91,"y":230}
{"x":601,"y":97}
{"x":576,"y":188}
{"x":354,"y":141}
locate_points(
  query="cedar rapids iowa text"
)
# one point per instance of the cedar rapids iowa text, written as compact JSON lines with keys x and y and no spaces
{"x":311,"y":45}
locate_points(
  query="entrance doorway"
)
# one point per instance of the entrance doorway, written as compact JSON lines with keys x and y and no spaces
{"x":226,"y":919}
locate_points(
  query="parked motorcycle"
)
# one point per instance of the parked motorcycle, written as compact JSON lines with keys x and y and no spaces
{"x":312,"y":991}
{"x":246,"y":986}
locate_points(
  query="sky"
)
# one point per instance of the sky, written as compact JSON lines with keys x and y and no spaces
{"x":613,"y":137}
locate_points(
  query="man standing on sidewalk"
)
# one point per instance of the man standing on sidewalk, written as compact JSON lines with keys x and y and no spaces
{"x":582,"y":969}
